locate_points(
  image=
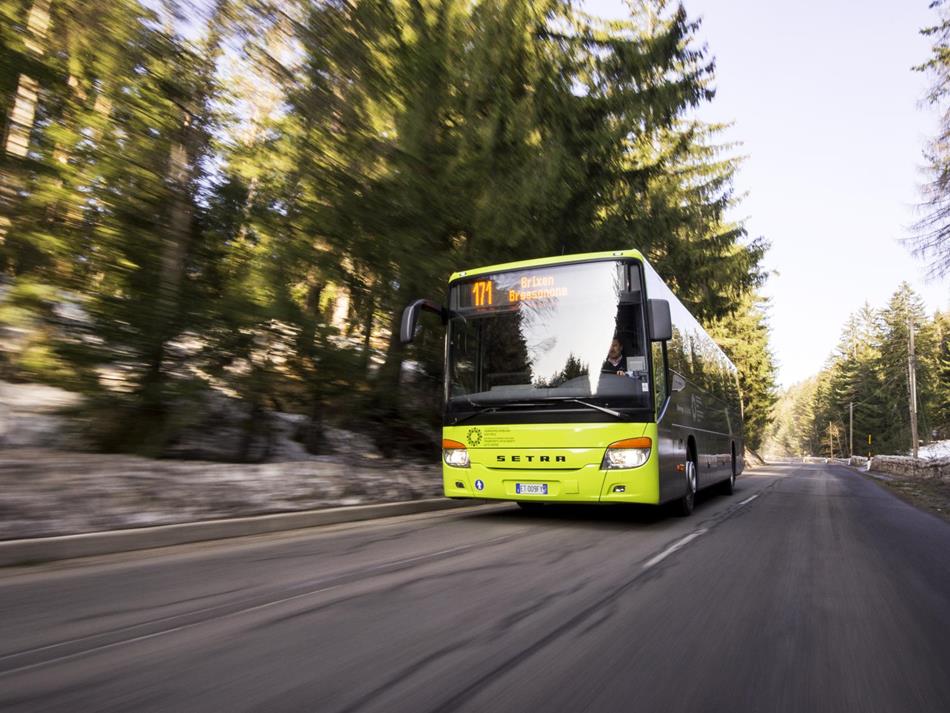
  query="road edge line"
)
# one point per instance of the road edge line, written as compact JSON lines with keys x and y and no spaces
{"x":91,"y":544}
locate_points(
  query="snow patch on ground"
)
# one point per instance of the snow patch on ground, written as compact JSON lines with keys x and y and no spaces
{"x":932,"y":451}
{"x":29,"y":415}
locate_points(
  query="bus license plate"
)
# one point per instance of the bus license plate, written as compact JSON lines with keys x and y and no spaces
{"x":531,"y":488}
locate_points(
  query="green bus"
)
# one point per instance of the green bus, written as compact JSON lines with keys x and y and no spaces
{"x":581,"y":379}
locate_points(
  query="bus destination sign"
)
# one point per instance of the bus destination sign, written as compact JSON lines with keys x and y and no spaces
{"x":508,"y":289}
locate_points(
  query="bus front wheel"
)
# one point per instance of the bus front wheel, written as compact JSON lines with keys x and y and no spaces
{"x":684,"y":506}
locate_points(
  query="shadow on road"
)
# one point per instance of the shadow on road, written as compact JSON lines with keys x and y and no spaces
{"x":599,"y":517}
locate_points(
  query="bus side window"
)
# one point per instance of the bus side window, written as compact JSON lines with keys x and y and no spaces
{"x":660,"y":390}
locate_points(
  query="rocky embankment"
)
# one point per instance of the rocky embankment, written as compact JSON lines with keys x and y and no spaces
{"x":44,"y":493}
{"x":51,"y":485}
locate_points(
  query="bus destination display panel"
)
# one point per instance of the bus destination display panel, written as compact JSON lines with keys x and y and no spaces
{"x":508,"y":289}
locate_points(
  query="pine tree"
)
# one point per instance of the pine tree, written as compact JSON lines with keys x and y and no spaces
{"x":941,"y":368}
{"x":745,"y":338}
{"x":931,"y":238}
{"x":109,"y":216}
{"x":903,"y":308}
{"x":855,"y":381}
{"x":785,"y":435}
{"x":869,"y":369}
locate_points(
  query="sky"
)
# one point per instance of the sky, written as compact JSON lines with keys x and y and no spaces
{"x":829,"y":113}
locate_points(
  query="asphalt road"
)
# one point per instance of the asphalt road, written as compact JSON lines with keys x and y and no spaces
{"x":810,"y":589}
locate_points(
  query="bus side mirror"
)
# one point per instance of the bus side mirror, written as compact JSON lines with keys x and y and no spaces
{"x":661,"y":324}
{"x":410,"y":317}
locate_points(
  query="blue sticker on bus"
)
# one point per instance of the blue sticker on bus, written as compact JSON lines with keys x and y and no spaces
{"x":479,"y":485}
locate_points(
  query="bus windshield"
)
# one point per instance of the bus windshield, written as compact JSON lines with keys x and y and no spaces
{"x":568,"y":336}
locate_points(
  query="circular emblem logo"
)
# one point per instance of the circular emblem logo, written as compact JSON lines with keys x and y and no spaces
{"x":474,"y":437}
{"x":479,"y":485}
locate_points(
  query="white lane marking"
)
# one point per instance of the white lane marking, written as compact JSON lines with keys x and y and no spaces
{"x":673,"y":548}
{"x":749,"y":500}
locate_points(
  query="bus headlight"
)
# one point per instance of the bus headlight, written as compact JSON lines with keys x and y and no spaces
{"x":454,"y":453}
{"x":628,"y":453}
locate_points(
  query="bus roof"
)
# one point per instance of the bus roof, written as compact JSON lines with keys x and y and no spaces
{"x":545,"y":261}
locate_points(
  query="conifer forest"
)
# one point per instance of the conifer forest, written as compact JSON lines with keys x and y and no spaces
{"x":231,"y":201}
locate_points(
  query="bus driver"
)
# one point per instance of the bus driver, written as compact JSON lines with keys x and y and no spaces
{"x":614,"y":364}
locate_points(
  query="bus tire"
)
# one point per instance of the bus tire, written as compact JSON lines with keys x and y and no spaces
{"x":684,"y":506}
{"x":728,"y":487}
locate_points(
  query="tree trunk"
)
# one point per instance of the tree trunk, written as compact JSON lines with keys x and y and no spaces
{"x":183,"y":166}
{"x":308,"y":332}
{"x":175,"y":241}
{"x":315,"y":440}
{"x":22,"y":117}
{"x":171,"y":267}
{"x":368,"y":332}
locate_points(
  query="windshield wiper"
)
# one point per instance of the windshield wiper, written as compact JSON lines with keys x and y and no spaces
{"x":606,"y":410}
{"x":491,"y":409}
{"x":473,"y":414}
{"x":534,"y":405}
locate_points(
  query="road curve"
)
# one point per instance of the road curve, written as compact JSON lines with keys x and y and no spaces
{"x":810,"y":589}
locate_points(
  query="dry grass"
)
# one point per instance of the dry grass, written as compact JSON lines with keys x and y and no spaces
{"x":926,"y":493}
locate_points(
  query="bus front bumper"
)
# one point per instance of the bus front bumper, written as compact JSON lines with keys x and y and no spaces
{"x":589,"y":484}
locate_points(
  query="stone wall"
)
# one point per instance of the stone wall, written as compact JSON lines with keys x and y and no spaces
{"x":905,"y":466}
{"x":44,"y":492}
